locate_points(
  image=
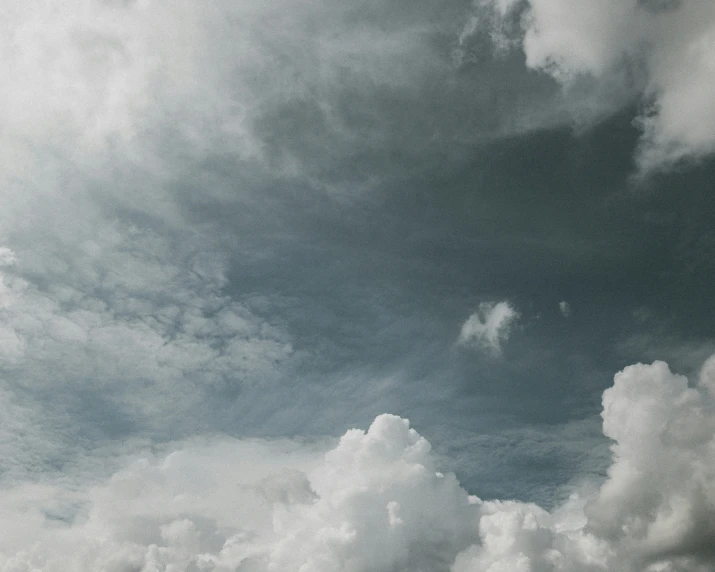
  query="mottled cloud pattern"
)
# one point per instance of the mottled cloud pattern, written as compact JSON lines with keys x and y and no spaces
{"x":377,"y":501}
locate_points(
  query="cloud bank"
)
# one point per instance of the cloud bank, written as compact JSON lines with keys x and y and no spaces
{"x":660,"y":50}
{"x":377,"y":502}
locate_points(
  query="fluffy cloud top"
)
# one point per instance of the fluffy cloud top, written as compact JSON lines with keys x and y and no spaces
{"x":377,"y":502}
{"x":489,"y":326}
{"x":664,"y":50}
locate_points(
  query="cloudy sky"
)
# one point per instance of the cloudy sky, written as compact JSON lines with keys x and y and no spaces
{"x":357,"y":285}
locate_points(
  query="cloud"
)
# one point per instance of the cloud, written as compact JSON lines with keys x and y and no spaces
{"x":97,"y":82}
{"x":565,"y":308}
{"x":117,"y":319}
{"x":128,"y":317}
{"x":377,"y":501}
{"x":114,"y":282}
{"x":660,"y":51}
{"x":489,"y":326}
{"x":658,"y":500}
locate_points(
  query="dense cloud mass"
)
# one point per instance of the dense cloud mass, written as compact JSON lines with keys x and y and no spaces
{"x":376,"y":501}
{"x":662,"y":50}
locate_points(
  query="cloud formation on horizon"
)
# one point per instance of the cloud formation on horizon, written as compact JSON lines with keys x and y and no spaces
{"x":660,"y":51}
{"x":378,"y":502}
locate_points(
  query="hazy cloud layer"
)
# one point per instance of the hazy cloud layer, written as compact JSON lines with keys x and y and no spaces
{"x":378,"y":502}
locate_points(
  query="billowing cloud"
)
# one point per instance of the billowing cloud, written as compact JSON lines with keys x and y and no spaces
{"x":377,"y":502}
{"x":662,"y":51}
{"x":489,"y":326}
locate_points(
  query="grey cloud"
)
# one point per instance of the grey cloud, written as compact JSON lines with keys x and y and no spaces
{"x":565,"y":308}
{"x":130,"y":328}
{"x":662,"y":51}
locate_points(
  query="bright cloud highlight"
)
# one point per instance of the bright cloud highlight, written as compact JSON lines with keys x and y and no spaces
{"x":489,"y":326}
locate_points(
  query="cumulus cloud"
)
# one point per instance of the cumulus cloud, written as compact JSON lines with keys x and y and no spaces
{"x":489,"y":326}
{"x":115,"y":115}
{"x":662,"y":51}
{"x":95,"y":82}
{"x":377,"y":501}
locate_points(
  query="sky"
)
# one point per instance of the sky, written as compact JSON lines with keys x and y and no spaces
{"x":367,"y":285}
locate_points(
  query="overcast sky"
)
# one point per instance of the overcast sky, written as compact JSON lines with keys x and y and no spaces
{"x":357,"y":285}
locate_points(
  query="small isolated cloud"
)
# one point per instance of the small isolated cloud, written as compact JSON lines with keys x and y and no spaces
{"x":661,"y":51}
{"x":565,"y":308}
{"x":377,"y":502}
{"x":7,"y":256}
{"x":489,"y":326}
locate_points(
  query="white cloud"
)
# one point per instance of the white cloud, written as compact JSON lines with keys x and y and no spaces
{"x":489,"y":326}
{"x":96,"y":82}
{"x":565,"y":308}
{"x":377,"y":502}
{"x":7,"y":256}
{"x":662,"y":50}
